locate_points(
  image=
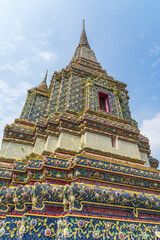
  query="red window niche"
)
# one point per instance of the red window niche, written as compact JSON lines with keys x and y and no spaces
{"x":104,"y":103}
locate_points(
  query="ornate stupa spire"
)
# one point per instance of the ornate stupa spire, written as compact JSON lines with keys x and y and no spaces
{"x":43,"y":84}
{"x":67,"y":140}
{"x":83,"y":39}
{"x":83,"y":49}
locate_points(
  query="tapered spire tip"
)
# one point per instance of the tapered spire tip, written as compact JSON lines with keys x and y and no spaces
{"x":83,"y":39}
{"x":45,"y":78}
{"x":83,"y":23}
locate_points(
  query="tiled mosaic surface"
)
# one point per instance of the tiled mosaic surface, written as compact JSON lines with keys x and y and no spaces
{"x":69,"y":93}
{"x":73,"y":85}
{"x":36,"y":195}
{"x":75,"y":227}
{"x":85,"y":169}
{"x":42,"y":198}
{"x":20,"y":225}
{"x":74,"y":143}
{"x":76,"y":97}
{"x":125,"y":106}
{"x":114,"y":102}
{"x":54,"y":96}
{"x":84,"y":52}
{"x":28,"y":106}
{"x":92,"y":228}
{"x":98,"y":164}
{"x":114,"y":124}
{"x":28,"y":227}
{"x":39,"y":108}
{"x":35,"y":107}
{"x":63,"y":94}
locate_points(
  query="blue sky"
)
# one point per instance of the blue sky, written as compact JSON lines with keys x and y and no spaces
{"x":43,"y":34}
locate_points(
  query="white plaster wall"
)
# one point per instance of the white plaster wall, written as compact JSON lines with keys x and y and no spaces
{"x":73,"y":143}
{"x":68,"y":142}
{"x":104,"y":143}
{"x":15,"y":150}
{"x":51,"y":143}
{"x":144,"y":156}
{"x":39,"y":145}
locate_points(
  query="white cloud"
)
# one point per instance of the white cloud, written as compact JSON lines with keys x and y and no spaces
{"x":3,"y":85}
{"x":7,"y":66}
{"x":41,"y":35}
{"x":155,"y":98}
{"x":40,"y":39}
{"x":40,"y":47}
{"x":9,"y":44}
{"x":137,"y":36}
{"x":154,"y":51}
{"x":8,"y":93}
{"x":6,"y":47}
{"x":47,"y":56}
{"x":17,"y":37}
{"x":155,"y":74}
{"x":155,"y":54}
{"x":151,"y":128}
{"x":155,"y":63}
{"x":20,"y":68}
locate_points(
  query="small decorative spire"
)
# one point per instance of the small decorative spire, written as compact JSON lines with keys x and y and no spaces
{"x":83,"y":39}
{"x":43,"y":84}
{"x":83,"y":23}
{"x":45,"y":78}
